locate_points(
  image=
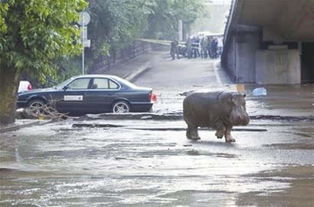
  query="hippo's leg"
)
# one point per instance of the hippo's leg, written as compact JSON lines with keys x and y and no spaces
{"x":220,"y":133}
{"x":228,"y":136}
{"x":192,"y":132}
{"x":220,"y":130}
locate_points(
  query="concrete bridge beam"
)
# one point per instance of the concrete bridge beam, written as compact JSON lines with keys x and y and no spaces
{"x":265,"y":41}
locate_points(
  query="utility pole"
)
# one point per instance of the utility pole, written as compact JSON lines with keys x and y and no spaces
{"x":83,"y":51}
{"x":84,"y":20}
{"x":180,"y":30}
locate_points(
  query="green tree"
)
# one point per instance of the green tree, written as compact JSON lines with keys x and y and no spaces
{"x":33,"y":33}
{"x":114,"y":25}
{"x":163,"y":20}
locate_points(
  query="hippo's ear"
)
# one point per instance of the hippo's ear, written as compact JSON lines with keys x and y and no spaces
{"x":231,"y":98}
{"x":236,"y":97}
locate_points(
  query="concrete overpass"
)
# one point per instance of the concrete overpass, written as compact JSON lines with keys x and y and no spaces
{"x":270,"y":41}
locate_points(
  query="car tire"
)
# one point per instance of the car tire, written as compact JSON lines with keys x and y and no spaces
{"x":36,"y":107}
{"x":120,"y":107}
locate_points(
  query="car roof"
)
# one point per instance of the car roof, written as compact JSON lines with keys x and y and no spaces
{"x":114,"y":77}
{"x":95,"y":76}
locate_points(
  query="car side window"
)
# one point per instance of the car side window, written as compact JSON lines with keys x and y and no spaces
{"x":113,"y":85}
{"x":101,"y":83}
{"x":104,"y":83}
{"x":81,"y":83}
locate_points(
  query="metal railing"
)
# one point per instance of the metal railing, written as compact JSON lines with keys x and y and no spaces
{"x":134,"y":50}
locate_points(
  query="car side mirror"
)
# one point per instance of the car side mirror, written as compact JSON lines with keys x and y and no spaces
{"x":65,"y":88}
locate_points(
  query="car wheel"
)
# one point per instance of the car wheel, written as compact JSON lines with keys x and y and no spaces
{"x":36,"y":107}
{"x":121,"y":107}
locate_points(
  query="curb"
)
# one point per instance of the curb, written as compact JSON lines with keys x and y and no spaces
{"x":17,"y":127}
{"x":179,"y":116}
{"x":134,"y":75}
{"x":93,"y":125}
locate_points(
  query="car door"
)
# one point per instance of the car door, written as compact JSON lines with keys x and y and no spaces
{"x":72,"y":98}
{"x":101,"y":94}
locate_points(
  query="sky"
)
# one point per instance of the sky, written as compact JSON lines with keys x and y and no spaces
{"x":220,"y":1}
{"x":215,"y":21}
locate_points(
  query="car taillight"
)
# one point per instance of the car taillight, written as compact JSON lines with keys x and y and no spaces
{"x":29,"y":87}
{"x":152,"y":97}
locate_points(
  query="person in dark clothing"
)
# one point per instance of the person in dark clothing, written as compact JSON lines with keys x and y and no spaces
{"x":214,"y":48}
{"x":174,"y":49}
{"x":203,"y":44}
{"x":189,"y":47}
{"x":208,"y":46}
{"x":195,"y":47}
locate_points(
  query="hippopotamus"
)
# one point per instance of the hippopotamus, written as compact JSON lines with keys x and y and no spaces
{"x":218,"y":110}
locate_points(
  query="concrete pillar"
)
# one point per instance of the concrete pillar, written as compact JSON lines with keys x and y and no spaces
{"x":278,"y":67}
{"x":247,"y":43}
{"x":230,"y":60}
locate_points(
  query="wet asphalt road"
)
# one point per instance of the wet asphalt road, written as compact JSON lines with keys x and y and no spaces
{"x":60,"y":165}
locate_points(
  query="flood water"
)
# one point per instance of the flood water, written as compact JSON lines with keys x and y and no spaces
{"x":58,"y":165}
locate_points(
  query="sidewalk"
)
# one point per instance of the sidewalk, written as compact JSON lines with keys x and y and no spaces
{"x":131,"y":69}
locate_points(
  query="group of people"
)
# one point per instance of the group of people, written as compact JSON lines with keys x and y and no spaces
{"x":197,"y":46}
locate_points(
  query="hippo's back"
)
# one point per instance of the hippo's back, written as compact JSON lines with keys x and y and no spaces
{"x":198,"y":106}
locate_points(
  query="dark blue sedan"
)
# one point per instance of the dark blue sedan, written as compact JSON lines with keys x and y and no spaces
{"x":90,"y":94}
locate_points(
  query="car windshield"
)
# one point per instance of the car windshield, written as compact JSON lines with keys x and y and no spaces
{"x":125,"y":82}
{"x":64,"y":83}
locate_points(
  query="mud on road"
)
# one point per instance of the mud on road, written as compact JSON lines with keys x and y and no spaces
{"x":58,"y":164}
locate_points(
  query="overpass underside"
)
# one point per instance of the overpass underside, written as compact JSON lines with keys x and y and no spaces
{"x":270,"y":41}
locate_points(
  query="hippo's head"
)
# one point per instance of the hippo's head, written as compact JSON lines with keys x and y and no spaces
{"x":238,"y":115}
